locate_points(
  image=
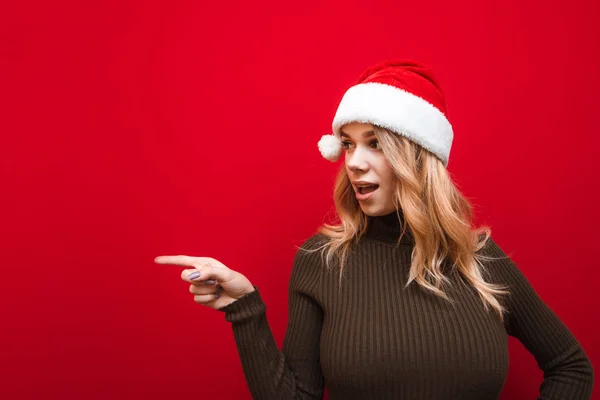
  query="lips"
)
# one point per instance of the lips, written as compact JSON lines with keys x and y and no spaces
{"x":364,"y":188}
{"x":367,"y":189}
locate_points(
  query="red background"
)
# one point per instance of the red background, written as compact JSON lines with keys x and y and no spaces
{"x":142,"y":128}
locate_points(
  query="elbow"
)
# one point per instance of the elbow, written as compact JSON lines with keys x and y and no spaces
{"x":590,"y":369}
{"x":583,"y":368}
{"x":574,"y":375}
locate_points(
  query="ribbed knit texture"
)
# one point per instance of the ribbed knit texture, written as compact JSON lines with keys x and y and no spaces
{"x":376,"y":339}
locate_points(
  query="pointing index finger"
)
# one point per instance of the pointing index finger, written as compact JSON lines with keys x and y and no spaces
{"x":185,"y":261}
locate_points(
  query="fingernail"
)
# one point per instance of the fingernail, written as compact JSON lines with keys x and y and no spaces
{"x":194,"y":275}
{"x":210,"y":282}
{"x":217,"y":295}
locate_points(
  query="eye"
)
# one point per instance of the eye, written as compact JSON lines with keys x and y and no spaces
{"x":346,"y":144}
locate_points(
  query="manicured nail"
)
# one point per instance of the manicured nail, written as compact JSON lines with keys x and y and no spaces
{"x":217,"y":295}
{"x":210,"y":282}
{"x":194,"y":275}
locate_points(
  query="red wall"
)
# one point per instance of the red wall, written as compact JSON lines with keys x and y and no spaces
{"x":142,"y":128}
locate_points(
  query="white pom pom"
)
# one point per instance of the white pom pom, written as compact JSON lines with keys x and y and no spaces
{"x":330,"y":147}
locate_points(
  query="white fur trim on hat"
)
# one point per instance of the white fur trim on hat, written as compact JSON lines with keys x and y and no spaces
{"x":399,"y":111}
{"x":330,"y":147}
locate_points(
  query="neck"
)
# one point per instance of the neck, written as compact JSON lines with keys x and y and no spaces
{"x":387,"y":228}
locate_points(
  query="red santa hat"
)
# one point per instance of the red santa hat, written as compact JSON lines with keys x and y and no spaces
{"x":402,"y":96}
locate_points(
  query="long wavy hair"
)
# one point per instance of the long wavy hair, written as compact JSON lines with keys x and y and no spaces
{"x":438,"y":215}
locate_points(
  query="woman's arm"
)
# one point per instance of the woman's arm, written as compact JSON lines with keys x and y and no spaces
{"x":568,"y":373}
{"x":295,"y":372}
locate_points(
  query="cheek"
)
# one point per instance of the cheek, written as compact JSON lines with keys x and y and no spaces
{"x":387,"y":175}
{"x":389,"y":181}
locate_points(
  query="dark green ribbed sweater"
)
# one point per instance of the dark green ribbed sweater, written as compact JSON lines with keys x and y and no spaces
{"x":376,"y":339}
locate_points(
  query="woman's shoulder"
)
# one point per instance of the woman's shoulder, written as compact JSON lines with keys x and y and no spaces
{"x":491,"y":250}
{"x":498,"y":266}
{"x":312,"y":247}
{"x":315,"y":241}
{"x":308,"y":263}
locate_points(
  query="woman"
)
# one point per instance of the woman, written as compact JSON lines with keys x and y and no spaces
{"x":403,"y":299}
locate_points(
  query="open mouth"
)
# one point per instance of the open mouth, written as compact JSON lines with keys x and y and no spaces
{"x":367,"y":189}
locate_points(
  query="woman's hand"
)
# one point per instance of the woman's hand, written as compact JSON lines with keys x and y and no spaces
{"x":215,"y":285}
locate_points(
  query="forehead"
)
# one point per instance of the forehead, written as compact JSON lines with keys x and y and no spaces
{"x":357,"y":130}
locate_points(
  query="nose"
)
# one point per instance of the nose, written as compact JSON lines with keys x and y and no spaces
{"x":358,"y":160}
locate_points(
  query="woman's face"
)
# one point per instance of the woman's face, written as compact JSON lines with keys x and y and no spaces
{"x":365,"y":161}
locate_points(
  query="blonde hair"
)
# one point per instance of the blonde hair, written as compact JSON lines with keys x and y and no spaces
{"x":438,"y":215}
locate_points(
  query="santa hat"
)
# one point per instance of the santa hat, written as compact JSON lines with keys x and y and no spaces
{"x":402,"y":96}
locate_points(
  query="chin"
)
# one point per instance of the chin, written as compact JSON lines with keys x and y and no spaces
{"x":375,"y":210}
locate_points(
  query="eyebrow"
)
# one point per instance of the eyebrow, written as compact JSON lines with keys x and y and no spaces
{"x":366,"y":134}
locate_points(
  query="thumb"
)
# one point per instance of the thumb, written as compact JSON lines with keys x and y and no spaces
{"x":210,"y":271}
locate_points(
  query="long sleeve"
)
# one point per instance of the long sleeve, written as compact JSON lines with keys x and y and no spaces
{"x":568,"y":373}
{"x":295,"y":372}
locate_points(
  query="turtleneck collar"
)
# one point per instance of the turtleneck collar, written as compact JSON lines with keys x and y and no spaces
{"x":387,"y":228}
